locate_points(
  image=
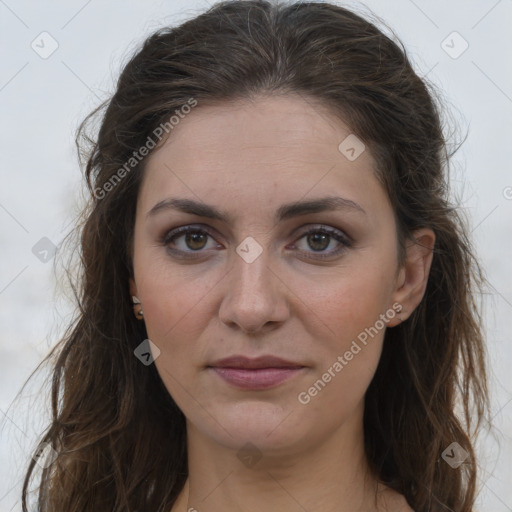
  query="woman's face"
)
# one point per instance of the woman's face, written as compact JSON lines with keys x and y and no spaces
{"x":269,"y":268}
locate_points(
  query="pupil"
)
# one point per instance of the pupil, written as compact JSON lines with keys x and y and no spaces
{"x":318,"y":237}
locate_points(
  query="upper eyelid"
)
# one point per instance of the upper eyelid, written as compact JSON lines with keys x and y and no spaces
{"x":182,"y":230}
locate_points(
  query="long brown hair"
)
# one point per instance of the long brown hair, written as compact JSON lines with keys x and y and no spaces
{"x":119,"y":438}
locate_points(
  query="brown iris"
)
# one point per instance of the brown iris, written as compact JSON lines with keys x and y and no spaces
{"x":318,"y":241}
{"x":195,"y":241}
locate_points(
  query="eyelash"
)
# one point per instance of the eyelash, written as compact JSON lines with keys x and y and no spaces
{"x":172,"y":235}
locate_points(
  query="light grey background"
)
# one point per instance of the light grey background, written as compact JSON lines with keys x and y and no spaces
{"x":42,"y":101}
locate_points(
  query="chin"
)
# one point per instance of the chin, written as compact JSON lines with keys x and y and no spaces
{"x":266,"y":425}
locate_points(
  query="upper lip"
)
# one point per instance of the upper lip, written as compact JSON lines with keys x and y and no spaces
{"x":254,"y":362}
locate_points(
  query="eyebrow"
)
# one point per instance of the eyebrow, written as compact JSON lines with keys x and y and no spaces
{"x":284,"y":212}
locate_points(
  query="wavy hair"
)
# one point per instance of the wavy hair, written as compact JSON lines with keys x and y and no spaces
{"x":119,"y":437}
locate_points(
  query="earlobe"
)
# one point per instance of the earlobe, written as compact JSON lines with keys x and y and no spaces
{"x":137,"y":306}
{"x":413,"y":276}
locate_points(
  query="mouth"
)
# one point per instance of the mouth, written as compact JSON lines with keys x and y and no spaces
{"x":255,"y":373}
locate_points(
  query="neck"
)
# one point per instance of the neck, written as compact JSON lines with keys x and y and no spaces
{"x":329,"y":476}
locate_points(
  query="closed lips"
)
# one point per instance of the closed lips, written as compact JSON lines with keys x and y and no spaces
{"x":245,"y":363}
{"x":255,"y":374}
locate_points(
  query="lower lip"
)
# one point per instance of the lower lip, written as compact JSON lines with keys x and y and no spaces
{"x":260,"y":378}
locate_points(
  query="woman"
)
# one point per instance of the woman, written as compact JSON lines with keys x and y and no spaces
{"x":276,"y":297}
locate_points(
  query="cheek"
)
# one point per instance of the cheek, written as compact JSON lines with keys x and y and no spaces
{"x":352,"y":302}
{"x":178,"y":310}
{"x":348,"y":358}
{"x":174,"y":314}
{"x":172,"y":296}
{"x":175,"y":317}
{"x":350,"y":312}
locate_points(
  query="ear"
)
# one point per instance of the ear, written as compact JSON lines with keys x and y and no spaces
{"x":412,"y":278}
{"x":133,"y":288}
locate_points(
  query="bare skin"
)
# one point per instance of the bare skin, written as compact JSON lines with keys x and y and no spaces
{"x":303,"y":299}
{"x":388,"y":500}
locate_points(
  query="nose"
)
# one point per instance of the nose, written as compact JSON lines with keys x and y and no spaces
{"x":255,"y":298}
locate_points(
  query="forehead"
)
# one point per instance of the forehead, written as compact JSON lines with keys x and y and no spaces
{"x":271,"y":148}
{"x":263,"y":126}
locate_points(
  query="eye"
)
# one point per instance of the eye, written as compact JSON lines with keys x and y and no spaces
{"x":192,"y":241}
{"x":189,"y":239}
{"x":317,"y":240}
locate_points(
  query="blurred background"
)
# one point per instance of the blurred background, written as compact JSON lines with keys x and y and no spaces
{"x":59,"y":60}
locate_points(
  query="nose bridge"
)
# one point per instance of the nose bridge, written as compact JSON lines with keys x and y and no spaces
{"x":251,"y":276}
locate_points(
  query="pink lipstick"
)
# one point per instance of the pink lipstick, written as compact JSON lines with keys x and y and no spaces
{"x":255,"y":373}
